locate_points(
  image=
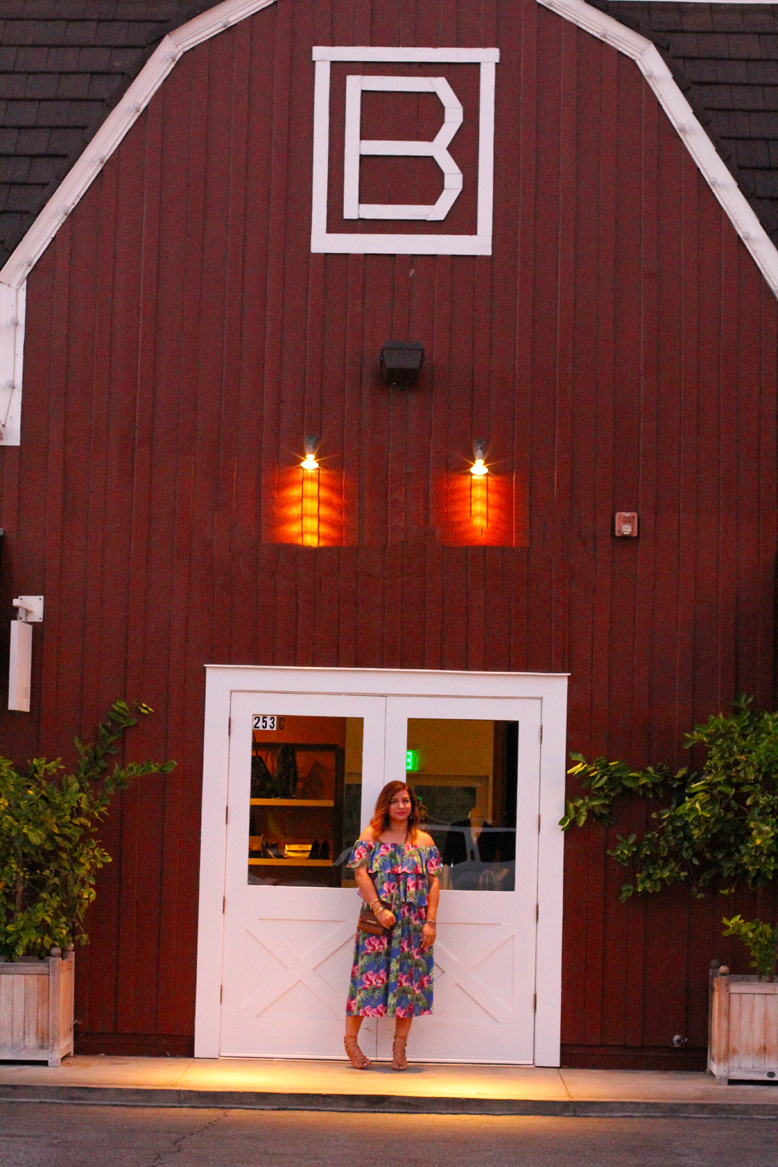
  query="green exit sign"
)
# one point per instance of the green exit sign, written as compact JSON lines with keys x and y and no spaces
{"x":411,"y":761}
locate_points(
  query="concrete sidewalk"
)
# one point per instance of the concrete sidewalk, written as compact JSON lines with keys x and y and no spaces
{"x":264,"y":1084}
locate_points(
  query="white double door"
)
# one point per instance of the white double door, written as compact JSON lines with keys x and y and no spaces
{"x":287,"y":950}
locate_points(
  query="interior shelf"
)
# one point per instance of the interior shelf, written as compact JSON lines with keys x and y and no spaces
{"x":285,"y":830}
{"x":290,"y":862}
{"x":292,"y":802}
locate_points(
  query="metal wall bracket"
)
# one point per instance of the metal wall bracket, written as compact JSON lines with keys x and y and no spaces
{"x":30,"y":609}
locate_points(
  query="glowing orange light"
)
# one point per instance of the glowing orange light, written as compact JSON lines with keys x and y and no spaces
{"x":481,"y":510}
{"x":479,"y":468}
{"x":309,"y":508}
{"x":309,"y":463}
{"x":479,"y":501}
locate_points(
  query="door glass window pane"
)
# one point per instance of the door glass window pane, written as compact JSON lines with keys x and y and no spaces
{"x":306,"y":787}
{"x":465,"y":773}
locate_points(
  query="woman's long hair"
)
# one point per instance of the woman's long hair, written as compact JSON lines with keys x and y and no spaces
{"x":380,"y":820}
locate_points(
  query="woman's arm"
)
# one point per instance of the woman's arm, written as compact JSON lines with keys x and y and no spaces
{"x":369,"y":895}
{"x":430,"y":928}
{"x":433,"y":899}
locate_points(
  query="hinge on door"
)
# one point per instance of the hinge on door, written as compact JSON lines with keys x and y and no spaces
{"x":224,"y":903}
{"x":537,"y":912}
{"x":534,"y":1002}
{"x":226,"y":814}
{"x":541,"y":733}
{"x":538,"y":824}
{"x":221,"y":993}
{"x":229,"y":726}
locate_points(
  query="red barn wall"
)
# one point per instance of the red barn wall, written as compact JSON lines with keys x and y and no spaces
{"x":618,"y":349}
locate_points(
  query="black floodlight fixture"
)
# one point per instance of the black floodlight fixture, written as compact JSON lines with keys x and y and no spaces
{"x":401,"y":361}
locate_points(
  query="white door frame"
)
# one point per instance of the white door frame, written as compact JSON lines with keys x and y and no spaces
{"x":224,"y":680}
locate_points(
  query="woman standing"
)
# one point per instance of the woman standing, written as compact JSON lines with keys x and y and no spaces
{"x":396,"y":868}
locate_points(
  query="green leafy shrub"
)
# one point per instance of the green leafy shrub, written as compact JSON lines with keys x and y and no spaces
{"x":716,"y":827}
{"x":49,"y":850}
{"x":760,"y":939}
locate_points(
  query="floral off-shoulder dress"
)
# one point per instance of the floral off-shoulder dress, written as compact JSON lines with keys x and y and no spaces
{"x":391,"y":975}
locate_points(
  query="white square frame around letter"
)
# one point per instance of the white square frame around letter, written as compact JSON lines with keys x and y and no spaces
{"x":385,"y":243}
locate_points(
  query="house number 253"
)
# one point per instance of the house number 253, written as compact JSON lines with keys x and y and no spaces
{"x":266,"y":721}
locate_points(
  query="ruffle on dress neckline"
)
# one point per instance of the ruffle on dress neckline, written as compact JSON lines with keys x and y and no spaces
{"x":400,"y":871}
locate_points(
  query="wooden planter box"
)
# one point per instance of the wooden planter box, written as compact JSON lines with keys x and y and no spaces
{"x":743,"y":1041}
{"x":36,"y":1009}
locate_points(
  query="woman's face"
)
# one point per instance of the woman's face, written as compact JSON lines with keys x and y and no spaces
{"x":400,"y":807}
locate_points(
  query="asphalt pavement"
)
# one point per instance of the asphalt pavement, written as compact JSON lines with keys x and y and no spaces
{"x":76,"y":1135}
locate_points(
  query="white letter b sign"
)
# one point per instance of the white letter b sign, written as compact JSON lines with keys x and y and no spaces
{"x":437,"y":149}
{"x":390,"y":241}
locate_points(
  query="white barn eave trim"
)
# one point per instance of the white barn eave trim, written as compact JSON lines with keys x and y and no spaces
{"x":670,"y":97}
{"x":14,"y":274}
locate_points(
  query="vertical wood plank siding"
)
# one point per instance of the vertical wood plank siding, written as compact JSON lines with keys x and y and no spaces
{"x":618,"y":350}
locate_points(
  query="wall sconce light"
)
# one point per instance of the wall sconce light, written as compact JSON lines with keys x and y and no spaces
{"x":479,"y":486}
{"x":401,"y":361}
{"x":309,"y":461}
{"x":479,"y":469}
{"x":309,"y":493}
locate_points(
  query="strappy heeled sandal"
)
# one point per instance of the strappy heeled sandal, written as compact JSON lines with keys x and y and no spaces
{"x":354,"y":1054}
{"x":399,"y":1060}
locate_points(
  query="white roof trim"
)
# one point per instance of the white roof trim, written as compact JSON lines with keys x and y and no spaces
{"x":116,"y":125}
{"x":741,"y":3}
{"x":76,"y":183}
{"x":13,"y":275}
{"x":678,"y":110}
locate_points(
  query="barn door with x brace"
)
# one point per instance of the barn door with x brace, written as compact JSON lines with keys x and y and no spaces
{"x":305,"y":770}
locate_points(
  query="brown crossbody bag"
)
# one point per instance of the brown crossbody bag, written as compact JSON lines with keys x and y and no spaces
{"x":369,"y":922}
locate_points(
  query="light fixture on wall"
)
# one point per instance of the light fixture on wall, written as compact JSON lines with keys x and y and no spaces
{"x":479,"y":486}
{"x":401,"y":362}
{"x":307,"y":501}
{"x":479,"y":469}
{"x":309,"y":461}
{"x":309,"y":493}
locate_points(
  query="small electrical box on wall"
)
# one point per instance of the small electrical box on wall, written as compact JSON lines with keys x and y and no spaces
{"x":20,"y":660}
{"x":626,"y":525}
{"x":20,"y":666}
